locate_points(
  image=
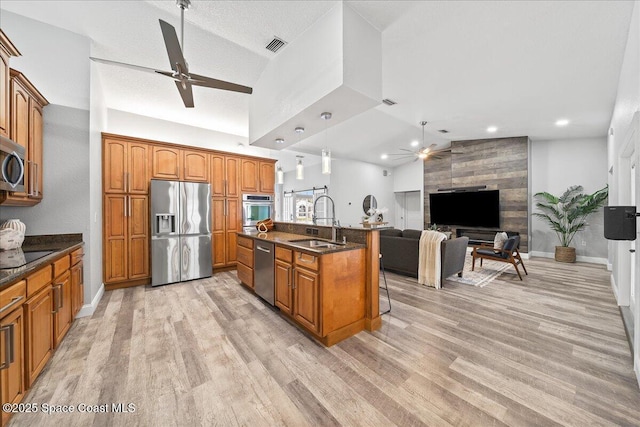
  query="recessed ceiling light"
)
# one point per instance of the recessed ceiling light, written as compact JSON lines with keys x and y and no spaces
{"x":562,"y":122}
{"x":492,"y":129}
{"x":299,"y":129}
{"x":414,"y":143}
{"x":279,"y":141}
{"x":384,"y":156}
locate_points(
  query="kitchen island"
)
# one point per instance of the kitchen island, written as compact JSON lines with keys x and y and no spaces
{"x":329,"y":289}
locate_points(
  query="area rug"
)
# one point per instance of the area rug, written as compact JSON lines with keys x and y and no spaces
{"x":482,"y":276}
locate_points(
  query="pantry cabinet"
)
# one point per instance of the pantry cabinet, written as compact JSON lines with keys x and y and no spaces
{"x":125,"y":167}
{"x":226,"y":208}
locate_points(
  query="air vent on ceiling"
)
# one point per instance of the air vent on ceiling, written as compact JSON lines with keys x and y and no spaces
{"x":276,"y":44}
{"x":389,"y":102}
{"x":443,"y":131}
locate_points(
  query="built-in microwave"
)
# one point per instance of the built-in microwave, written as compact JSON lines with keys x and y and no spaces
{"x":256,"y":207}
{"x":11,"y":165}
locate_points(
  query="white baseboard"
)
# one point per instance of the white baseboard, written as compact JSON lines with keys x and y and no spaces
{"x":88,"y":309}
{"x":609,"y":266}
{"x":615,"y":289}
{"x":589,"y":259}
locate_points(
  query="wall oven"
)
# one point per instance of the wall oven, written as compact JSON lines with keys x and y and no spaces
{"x":256,"y":207}
{"x":11,"y":165}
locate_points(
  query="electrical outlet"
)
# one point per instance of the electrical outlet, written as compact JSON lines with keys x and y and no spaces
{"x":308,"y":230}
{"x":315,"y":231}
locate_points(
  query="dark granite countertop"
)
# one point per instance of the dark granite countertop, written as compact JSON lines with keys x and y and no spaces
{"x":60,"y":244}
{"x":288,"y":239}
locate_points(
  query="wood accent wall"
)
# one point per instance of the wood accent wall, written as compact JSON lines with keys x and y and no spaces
{"x":500,"y":164}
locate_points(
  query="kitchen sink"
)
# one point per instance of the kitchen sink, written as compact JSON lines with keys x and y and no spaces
{"x":315,"y":243}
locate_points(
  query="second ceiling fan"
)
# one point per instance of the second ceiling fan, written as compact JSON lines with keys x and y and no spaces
{"x":423,"y":152}
{"x":184,"y":80}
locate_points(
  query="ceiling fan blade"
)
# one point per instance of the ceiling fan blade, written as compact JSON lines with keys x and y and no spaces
{"x":198,"y":80}
{"x":172,"y":44}
{"x":134,"y":67}
{"x":186,"y":93}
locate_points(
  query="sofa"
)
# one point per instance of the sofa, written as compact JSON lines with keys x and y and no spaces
{"x":400,"y":250}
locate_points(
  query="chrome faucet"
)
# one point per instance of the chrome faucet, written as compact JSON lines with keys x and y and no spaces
{"x":335,"y":225}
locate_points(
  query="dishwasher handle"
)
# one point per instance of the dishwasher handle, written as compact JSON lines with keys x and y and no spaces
{"x":260,"y":248}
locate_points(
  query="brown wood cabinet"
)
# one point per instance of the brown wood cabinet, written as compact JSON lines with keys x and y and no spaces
{"x":77,"y":281}
{"x":25,"y":128}
{"x":195,"y":166}
{"x":245,"y":264}
{"x":250,"y":176}
{"x":125,"y":167}
{"x":267,"y":177}
{"x":62,"y":307}
{"x":306,"y":285}
{"x":284,"y":279}
{"x":38,"y":333}
{"x":226,"y":208}
{"x":7,"y":50}
{"x":12,"y":345}
{"x":166,"y":163}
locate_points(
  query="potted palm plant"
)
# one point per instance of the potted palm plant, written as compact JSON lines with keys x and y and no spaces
{"x":567,"y":214}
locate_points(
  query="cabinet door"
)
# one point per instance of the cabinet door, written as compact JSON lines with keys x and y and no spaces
{"x":20,"y":131}
{"x":232,"y":168}
{"x":35,"y":148}
{"x":195,"y":166}
{"x":39,"y":333}
{"x":4,"y":95}
{"x":77,"y":288}
{"x":267,"y":177}
{"x":283,"y":282}
{"x":115,"y":238}
{"x":305,"y":305}
{"x":218,"y":177}
{"x":137,"y":172}
{"x":218,"y":234}
{"x":114,"y":166}
{"x":166,"y":163}
{"x":233,"y":224}
{"x":249,"y":175}
{"x":12,"y":377}
{"x":62,"y":307}
{"x":138,"y":251}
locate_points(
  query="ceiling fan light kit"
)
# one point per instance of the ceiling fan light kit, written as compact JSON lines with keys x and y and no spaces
{"x":422,"y":153}
{"x":180,"y":74}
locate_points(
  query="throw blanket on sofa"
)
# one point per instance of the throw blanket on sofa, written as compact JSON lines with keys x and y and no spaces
{"x":429,"y":258}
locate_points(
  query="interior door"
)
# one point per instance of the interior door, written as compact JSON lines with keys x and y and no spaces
{"x":633,"y":245}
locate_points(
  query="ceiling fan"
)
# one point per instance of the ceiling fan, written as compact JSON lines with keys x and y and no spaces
{"x":183,"y":78}
{"x":423,"y":152}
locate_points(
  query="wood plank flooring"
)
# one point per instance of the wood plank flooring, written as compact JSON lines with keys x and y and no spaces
{"x":550,"y":350}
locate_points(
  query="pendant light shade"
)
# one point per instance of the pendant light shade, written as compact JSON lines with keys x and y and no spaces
{"x":326,"y":154}
{"x":326,"y":162}
{"x":280,"y":175}
{"x":299,"y":168}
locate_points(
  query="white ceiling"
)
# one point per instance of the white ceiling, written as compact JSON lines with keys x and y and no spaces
{"x":461,"y":66}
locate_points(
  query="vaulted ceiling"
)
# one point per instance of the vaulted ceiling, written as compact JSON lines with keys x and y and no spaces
{"x":461,"y":66}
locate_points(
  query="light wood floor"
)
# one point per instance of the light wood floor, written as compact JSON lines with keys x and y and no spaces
{"x":550,"y":350}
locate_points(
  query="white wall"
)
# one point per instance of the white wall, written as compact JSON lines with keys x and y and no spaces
{"x":553,"y":169}
{"x":626,"y":106}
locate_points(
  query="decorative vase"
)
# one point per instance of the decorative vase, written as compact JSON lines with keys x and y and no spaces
{"x":565,"y":254}
{"x":12,"y":234}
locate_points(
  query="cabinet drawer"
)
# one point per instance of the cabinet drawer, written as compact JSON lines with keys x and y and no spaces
{"x":13,"y":297}
{"x":284,"y":254}
{"x":38,"y":280}
{"x":306,"y":260}
{"x":61,"y":265}
{"x":76,"y":256}
{"x":245,"y":274}
{"x":245,"y":242}
{"x":245,"y":256}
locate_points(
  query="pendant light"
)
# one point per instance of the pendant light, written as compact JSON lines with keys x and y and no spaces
{"x":280,"y":175}
{"x":326,"y":154}
{"x":299,"y":168}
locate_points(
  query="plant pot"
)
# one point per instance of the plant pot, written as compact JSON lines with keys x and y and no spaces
{"x":565,"y":254}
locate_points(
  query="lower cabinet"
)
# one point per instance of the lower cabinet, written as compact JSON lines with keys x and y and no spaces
{"x":12,"y":359}
{"x":39,"y":332}
{"x":62,"y":307}
{"x":306,"y":284}
{"x":245,"y":260}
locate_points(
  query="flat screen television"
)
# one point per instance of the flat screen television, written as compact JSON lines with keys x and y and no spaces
{"x":468,"y":208}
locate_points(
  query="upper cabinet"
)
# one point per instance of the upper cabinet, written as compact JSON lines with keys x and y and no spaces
{"x":195,"y":165}
{"x":224,"y":175}
{"x":250,"y":175}
{"x":267,"y":177}
{"x":126,"y":167}
{"x":166,"y":163}
{"x":7,"y":50}
{"x":25,"y":128}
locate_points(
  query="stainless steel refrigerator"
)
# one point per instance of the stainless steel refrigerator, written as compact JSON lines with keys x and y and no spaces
{"x":180,"y":231}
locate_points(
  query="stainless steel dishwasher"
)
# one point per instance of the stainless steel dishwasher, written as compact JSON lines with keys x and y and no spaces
{"x":264,"y":278}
